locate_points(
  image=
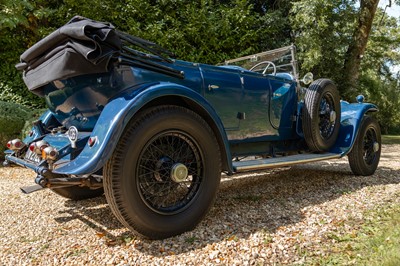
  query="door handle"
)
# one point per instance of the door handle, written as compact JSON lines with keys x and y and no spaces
{"x":212,"y":87}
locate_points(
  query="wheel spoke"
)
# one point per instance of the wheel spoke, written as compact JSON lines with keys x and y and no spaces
{"x":326,"y":125}
{"x":156,"y":185}
{"x":369,"y":154}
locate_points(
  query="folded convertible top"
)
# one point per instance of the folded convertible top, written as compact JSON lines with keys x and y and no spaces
{"x":84,"y":46}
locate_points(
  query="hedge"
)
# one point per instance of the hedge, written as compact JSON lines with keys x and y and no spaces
{"x":15,"y":122}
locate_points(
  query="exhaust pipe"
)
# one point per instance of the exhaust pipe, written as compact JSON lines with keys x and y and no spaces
{"x":42,"y":183}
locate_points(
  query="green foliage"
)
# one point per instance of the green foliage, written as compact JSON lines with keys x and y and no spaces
{"x":211,"y":31}
{"x":19,"y":94}
{"x":19,"y":28}
{"x":377,"y":81}
{"x":202,"y":31}
{"x":12,"y":120}
{"x":322,"y":30}
{"x":15,"y":122}
{"x":391,"y":139}
{"x":385,"y":93}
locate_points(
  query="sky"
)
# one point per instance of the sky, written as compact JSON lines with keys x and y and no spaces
{"x":393,"y":11}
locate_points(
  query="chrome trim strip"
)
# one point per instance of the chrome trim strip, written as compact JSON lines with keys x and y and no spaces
{"x":282,"y":161}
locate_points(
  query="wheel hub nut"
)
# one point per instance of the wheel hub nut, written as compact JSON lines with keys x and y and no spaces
{"x":376,"y":146}
{"x":179,"y":172}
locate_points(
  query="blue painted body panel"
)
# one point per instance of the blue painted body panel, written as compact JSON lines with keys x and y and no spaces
{"x":118,"y":112}
{"x":102,"y":105}
{"x":351,"y":117}
{"x":45,"y":118}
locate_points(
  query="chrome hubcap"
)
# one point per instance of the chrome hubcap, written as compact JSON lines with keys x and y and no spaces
{"x":376,"y":146}
{"x":332,"y":116}
{"x":179,"y":172}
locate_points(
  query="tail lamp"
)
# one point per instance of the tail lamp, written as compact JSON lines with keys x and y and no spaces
{"x":92,"y":141}
{"x":38,"y":146}
{"x":49,"y":153}
{"x":15,"y":144}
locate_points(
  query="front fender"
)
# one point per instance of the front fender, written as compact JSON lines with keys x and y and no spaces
{"x":116,"y":115}
{"x":351,"y":117}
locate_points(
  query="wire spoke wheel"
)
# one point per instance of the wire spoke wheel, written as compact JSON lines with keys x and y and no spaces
{"x":164,"y":174}
{"x":369,"y":147}
{"x":326,"y":117}
{"x":159,"y":186}
{"x":365,"y":154}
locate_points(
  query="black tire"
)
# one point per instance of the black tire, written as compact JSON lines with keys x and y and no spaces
{"x":139,"y":181}
{"x":365,"y":154}
{"x":78,"y":193}
{"x":321,"y":115}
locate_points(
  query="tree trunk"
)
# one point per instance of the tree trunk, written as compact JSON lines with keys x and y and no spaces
{"x":356,"y":49}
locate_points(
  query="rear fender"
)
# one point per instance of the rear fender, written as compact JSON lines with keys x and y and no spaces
{"x":117,"y":114}
{"x":351,"y":117}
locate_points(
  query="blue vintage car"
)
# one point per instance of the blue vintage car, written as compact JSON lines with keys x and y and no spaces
{"x":154,"y":133}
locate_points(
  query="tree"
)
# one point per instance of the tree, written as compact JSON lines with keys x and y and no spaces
{"x":334,"y":38}
{"x":357,"y":46}
{"x":378,"y":81}
{"x":22,"y":23}
{"x":322,"y":30}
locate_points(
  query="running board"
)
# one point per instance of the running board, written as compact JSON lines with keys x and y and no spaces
{"x":252,"y":165}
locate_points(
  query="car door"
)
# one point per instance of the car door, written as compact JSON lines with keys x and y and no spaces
{"x":223,"y":89}
{"x":241,"y":99}
{"x":283,"y":103}
{"x":255,"y":107}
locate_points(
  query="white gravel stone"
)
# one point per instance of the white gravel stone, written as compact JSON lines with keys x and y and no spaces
{"x":280,"y":216}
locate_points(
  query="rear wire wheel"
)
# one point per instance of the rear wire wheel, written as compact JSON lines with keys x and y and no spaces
{"x":164,"y":173}
{"x":321,"y":115}
{"x":366,"y":152}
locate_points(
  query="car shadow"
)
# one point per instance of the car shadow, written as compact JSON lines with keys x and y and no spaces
{"x":94,"y":212}
{"x":246,"y":203}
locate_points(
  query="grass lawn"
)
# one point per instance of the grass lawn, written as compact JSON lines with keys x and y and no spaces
{"x":390,"y":139}
{"x":376,"y":243}
{"x":379,"y":241}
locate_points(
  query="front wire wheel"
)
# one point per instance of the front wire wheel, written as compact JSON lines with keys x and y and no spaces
{"x":366,"y":152}
{"x":164,"y":173}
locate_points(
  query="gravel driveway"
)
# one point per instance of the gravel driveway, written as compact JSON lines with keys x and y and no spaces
{"x":282,"y":216}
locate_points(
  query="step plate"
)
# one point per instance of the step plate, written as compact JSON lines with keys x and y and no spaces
{"x":251,"y":165}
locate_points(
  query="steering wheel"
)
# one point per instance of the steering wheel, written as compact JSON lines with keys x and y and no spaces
{"x":268,"y":64}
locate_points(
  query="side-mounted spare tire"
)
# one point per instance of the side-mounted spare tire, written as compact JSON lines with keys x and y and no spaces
{"x":321,"y":115}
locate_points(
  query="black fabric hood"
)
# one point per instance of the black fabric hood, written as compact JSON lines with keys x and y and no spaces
{"x":82,"y":46}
